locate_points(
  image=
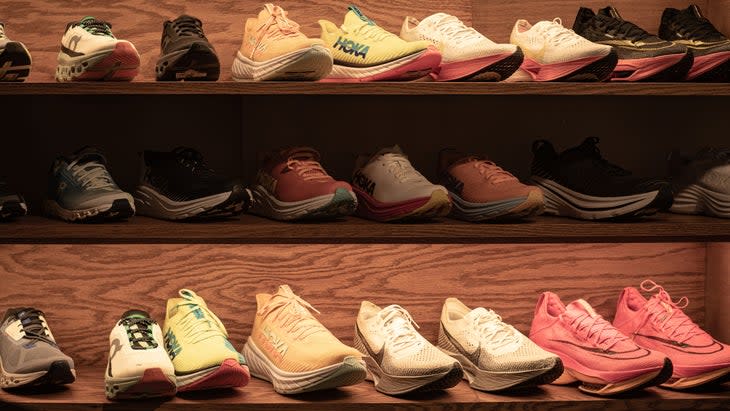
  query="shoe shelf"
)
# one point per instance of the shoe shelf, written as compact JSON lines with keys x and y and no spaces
{"x":88,"y":392}
{"x":250,"y":229}
{"x":382,"y":88}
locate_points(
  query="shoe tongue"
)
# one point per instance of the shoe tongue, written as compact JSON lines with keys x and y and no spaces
{"x":87,"y":154}
{"x":476,"y":313}
{"x":579,"y":307}
{"x":354,"y":18}
{"x":136,"y":314}
{"x":610,"y":11}
{"x":434,"y":18}
{"x":284,"y":291}
{"x":190,"y":295}
{"x":301,"y":153}
{"x":694,"y":10}
{"x":88,"y":19}
{"x":390,"y":150}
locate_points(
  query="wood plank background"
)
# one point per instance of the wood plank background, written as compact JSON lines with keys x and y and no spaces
{"x":84,"y":288}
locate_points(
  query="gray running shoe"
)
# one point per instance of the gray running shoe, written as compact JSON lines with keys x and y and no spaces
{"x":29,"y":355}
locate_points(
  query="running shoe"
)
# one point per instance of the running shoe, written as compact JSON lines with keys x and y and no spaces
{"x":388,"y":188}
{"x":29,"y":355}
{"x":197,"y":343}
{"x":363,"y":51}
{"x":12,"y":204}
{"x":711,"y":49}
{"x":399,"y":360}
{"x":81,"y":189}
{"x":186,"y":54}
{"x":580,"y":183}
{"x":296,"y":353}
{"x":593,"y":352}
{"x":702,"y":183}
{"x":554,"y":53}
{"x":179,"y":184}
{"x":89,"y":51}
{"x":480,"y":190}
{"x":659,"y":324}
{"x":273,"y":48}
{"x":138,"y":366}
{"x":466,"y":53}
{"x":292,"y":185}
{"x":641,"y":56}
{"x":15,"y":58}
{"x":494,"y":355}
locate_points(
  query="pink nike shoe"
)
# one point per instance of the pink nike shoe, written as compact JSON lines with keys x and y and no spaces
{"x":604,"y":360}
{"x":659,"y":324}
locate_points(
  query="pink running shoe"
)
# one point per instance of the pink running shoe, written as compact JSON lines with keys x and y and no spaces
{"x":292,"y":185}
{"x":604,"y":360}
{"x":659,"y":324}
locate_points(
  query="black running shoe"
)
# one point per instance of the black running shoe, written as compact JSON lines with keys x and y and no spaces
{"x":641,"y":56}
{"x":580,"y":183}
{"x":711,"y":48}
{"x":186,"y":53}
{"x":14,"y":58}
{"x":177,"y":185}
{"x":12,"y":204}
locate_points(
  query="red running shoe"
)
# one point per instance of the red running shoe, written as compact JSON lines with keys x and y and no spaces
{"x":604,"y":360}
{"x":660,"y":324}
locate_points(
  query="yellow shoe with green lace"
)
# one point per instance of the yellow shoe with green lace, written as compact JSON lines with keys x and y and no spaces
{"x":294,"y":351}
{"x":363,"y":51}
{"x":197,"y":343}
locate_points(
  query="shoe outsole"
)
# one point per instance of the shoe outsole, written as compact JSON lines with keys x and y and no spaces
{"x":152,"y":383}
{"x":120,"y":209}
{"x":119,"y":64}
{"x":12,"y":209}
{"x":342,"y":204}
{"x":308,"y":64}
{"x":719,"y":376}
{"x":500,"y":70}
{"x":531,"y":205}
{"x":635,"y":384}
{"x":198,"y":63}
{"x":238,"y":202}
{"x":719,"y":74}
{"x":676,"y":72}
{"x":545,"y":378}
{"x":599,"y":70}
{"x":14,"y":62}
{"x":450,"y":380}
{"x":229,"y":374}
{"x":59,"y":373}
{"x":152,"y":203}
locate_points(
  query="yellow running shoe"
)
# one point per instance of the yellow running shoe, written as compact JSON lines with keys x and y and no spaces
{"x":294,"y":351}
{"x":363,"y":51}
{"x":197,"y":343}
{"x":273,"y":48}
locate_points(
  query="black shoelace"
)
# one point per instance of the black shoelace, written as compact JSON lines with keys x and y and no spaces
{"x":140,"y":337}
{"x":97,"y":27}
{"x":188,"y":26}
{"x":193,"y":160}
{"x":693,"y":27}
{"x":590,"y":147}
{"x":33,"y":326}
{"x":621,"y":29}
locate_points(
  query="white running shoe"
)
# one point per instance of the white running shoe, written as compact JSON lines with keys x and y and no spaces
{"x":138,"y":366}
{"x":553,"y":52}
{"x":466,"y":53}
{"x":398,"y":358}
{"x":388,"y":188}
{"x":494,"y":355}
{"x":89,"y":51}
{"x":702,"y":183}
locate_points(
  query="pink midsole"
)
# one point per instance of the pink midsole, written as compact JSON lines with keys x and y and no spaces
{"x":647,"y":67}
{"x":460,"y":69}
{"x":374,"y":209}
{"x":548,"y":72}
{"x":703,"y":64}
{"x":427,"y":62}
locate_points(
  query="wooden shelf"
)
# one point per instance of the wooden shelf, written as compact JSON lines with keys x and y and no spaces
{"x":87,"y":393}
{"x":255,"y":230}
{"x":381,"y":88}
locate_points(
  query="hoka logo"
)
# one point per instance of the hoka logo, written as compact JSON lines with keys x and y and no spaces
{"x":171,"y":345}
{"x":363,"y":183}
{"x":273,"y":344}
{"x":350,"y":47}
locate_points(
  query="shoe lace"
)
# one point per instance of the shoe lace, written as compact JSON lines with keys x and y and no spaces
{"x":456,"y":29}
{"x":492,"y":172}
{"x":189,"y":26}
{"x":96,"y":27}
{"x":400,"y":334}
{"x":192,"y":159}
{"x":556,"y":33}
{"x":309,"y":170}
{"x":371,"y":31}
{"x":697,"y":27}
{"x":2,"y":30}
{"x":591,"y":148}
{"x":668,"y":314}
{"x":492,"y":330}
{"x":278,"y":25}
{"x":401,"y":168}
{"x":199,"y":323}
{"x":596,"y":330}
{"x":91,"y":174}
{"x":621,"y":29}
{"x":292,"y":313}
{"x":33,"y":327}
{"x":139,"y":331}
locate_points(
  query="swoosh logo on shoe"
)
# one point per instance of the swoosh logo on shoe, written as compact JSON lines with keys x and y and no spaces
{"x":117,"y":346}
{"x":676,"y":345}
{"x":377,"y":356}
{"x":472,"y":356}
{"x":614,"y":355}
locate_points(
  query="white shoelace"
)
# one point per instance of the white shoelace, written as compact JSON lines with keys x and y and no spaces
{"x":456,"y":30}
{"x":91,"y":175}
{"x":556,"y":33}
{"x":401,"y":168}
{"x":400,"y":334}
{"x":495,"y":333}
